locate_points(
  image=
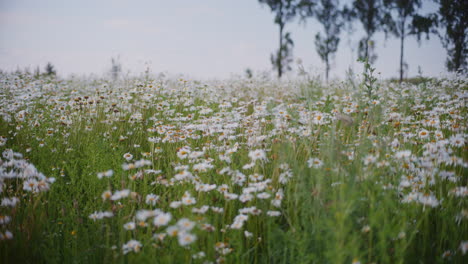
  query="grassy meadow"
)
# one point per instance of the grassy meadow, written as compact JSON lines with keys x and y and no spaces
{"x":168,"y":170}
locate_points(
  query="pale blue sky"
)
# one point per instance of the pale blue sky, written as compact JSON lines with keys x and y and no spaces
{"x":199,"y":38}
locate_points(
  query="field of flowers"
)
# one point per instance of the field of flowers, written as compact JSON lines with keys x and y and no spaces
{"x":169,"y":170}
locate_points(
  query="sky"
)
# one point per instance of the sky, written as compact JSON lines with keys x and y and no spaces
{"x":197,"y":38}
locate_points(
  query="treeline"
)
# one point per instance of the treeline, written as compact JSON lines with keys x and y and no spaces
{"x":49,"y":70}
{"x":397,"y":18}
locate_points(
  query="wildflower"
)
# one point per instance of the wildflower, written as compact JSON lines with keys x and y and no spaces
{"x":106,"y":174}
{"x":369,"y":159}
{"x":106,"y":195}
{"x":183,"y":152}
{"x":9,"y":202}
{"x":201,"y":210}
{"x":218,"y":210}
{"x":151,"y":199}
{"x":423,"y":134}
{"x":129,"y":226}
{"x":248,"y":166}
{"x":439,"y":135}
{"x":154,"y":139}
{"x":100,"y":215}
{"x":208,"y":227}
{"x":457,"y":141}
{"x":276,"y":202}
{"x":428,"y":199}
{"x":245,"y":197}
{"x":365,"y":229}
{"x":182,"y":175}
{"x":195,"y":155}
{"x":186,"y":239}
{"x":120,"y":194}
{"x":401,"y":235}
{"x":318,"y":119}
{"x":185,"y":224}
{"x":273,"y":213}
{"x":4,"y":219}
{"x":239,"y":221}
{"x":205,"y":187}
{"x":6,"y":236}
{"x":175,"y":204}
{"x":258,"y":154}
{"x":256,"y":177}
{"x":159,"y":236}
{"x":142,"y":215}
{"x":202,"y":167}
{"x":446,"y":254}
{"x":30,"y":185}
{"x":187,"y":199}
{"x":173,"y":231}
{"x":230,"y":196}
{"x":199,"y":255}
{"x":460,"y":191}
{"x":314,"y":162}
{"x":463,"y":247}
{"x":404,"y":154}
{"x":132,"y":245}
{"x":128,"y":156}
{"x":162,"y":219}
{"x":263,"y":195}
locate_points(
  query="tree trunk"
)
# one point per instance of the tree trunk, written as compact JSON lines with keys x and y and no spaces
{"x":402,"y":48}
{"x":327,"y":63}
{"x":402,"y":44}
{"x":280,"y":52}
{"x":367,"y":49}
{"x":327,"y":68}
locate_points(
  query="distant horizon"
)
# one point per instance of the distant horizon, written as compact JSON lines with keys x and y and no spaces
{"x":212,"y":39}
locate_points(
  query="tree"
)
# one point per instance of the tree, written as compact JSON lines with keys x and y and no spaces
{"x":374,"y":18}
{"x":50,"y":69}
{"x":454,"y":18}
{"x":408,"y":22}
{"x":328,"y":14}
{"x":248,"y":73}
{"x":285,"y":11}
{"x":116,"y":68}
{"x":37,"y":72}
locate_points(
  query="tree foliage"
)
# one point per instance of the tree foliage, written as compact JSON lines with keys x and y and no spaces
{"x":328,"y":14}
{"x":374,"y":17}
{"x":454,"y":19}
{"x":50,"y":69}
{"x":409,"y":22}
{"x":285,"y":11}
{"x":116,"y":68}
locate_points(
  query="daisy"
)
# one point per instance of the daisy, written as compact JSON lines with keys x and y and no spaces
{"x":318,"y":119}
{"x":132,"y":245}
{"x":186,"y":239}
{"x":314,"y":162}
{"x":185,"y":224}
{"x":258,"y":154}
{"x":151,"y":199}
{"x":187,"y":199}
{"x":120,"y":194}
{"x":273,"y":213}
{"x":128,"y":156}
{"x":162,"y":219}
{"x":129,"y":226}
{"x":423,"y":134}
